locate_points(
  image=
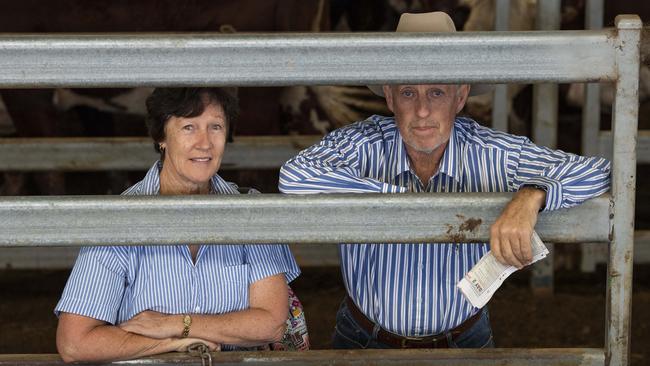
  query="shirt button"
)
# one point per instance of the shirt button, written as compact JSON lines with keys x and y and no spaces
{"x":197,"y":309}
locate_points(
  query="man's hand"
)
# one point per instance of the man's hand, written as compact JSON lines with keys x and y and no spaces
{"x":154,"y":325}
{"x":510,"y":235}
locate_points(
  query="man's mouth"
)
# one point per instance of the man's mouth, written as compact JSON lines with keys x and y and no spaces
{"x":201,"y":160}
{"x":423,"y":129}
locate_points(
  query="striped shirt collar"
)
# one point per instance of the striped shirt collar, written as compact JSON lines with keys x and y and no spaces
{"x":150,"y":185}
{"x":449,"y":164}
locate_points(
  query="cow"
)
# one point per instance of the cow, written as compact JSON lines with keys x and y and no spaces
{"x":65,"y":112}
{"x":320,"y":109}
{"x":522,"y":18}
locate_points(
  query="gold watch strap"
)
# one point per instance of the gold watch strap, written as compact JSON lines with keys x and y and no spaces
{"x":187,"y":322}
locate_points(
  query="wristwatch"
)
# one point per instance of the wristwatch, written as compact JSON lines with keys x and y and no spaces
{"x":187,"y":321}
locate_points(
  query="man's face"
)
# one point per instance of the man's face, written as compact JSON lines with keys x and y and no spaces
{"x":425,"y":114}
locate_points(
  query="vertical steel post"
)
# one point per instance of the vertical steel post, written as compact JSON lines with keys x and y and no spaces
{"x":591,"y":106}
{"x":592,"y":254}
{"x":545,"y":103}
{"x":624,"y":126}
{"x":500,"y":102}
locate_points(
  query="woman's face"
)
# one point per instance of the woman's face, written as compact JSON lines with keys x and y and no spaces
{"x":194,"y":147}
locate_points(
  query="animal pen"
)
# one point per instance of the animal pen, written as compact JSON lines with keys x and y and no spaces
{"x":323,"y":59}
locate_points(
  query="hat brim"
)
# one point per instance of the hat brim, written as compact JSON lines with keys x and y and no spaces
{"x":475,"y":89}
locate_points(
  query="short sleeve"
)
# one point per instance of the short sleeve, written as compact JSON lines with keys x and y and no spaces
{"x":96,"y":285}
{"x":270,"y":259}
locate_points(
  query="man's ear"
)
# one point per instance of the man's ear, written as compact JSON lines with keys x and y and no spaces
{"x":462,"y":94}
{"x":389,"y":97}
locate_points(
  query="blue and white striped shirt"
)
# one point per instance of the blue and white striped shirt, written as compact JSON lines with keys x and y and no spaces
{"x":115,"y":283}
{"x":410,"y":289}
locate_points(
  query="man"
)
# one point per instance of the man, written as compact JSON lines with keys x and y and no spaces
{"x":405,"y":295}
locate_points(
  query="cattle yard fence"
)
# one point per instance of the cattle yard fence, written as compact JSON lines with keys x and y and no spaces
{"x":129,"y":60}
{"x":270,"y":152}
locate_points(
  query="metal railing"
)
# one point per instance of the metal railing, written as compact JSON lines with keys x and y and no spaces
{"x":155,"y":60}
{"x":275,"y":218}
{"x":136,"y":153}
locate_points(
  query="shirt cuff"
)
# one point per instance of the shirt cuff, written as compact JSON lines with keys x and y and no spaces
{"x":553,"y":190}
{"x":101,"y":312}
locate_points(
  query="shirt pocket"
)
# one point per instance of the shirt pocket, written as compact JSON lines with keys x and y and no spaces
{"x":228,"y":291}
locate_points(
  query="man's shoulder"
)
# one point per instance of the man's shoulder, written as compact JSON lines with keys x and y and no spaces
{"x":471,"y":132}
{"x":374,"y":128}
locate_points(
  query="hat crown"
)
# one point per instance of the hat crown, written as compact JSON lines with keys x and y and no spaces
{"x":436,"y":21}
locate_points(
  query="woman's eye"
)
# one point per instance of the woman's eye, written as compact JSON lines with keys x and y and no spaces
{"x":188,"y":127}
{"x":217,"y":127}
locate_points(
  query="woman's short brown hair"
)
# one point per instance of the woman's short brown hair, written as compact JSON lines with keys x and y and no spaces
{"x":165,"y":103}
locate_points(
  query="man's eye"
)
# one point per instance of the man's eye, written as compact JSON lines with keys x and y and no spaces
{"x":437,"y":93}
{"x":407,"y":93}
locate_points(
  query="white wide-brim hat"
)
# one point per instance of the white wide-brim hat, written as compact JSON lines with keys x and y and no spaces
{"x":436,"y":21}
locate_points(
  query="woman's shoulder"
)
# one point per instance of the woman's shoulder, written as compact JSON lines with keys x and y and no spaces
{"x":149,"y":185}
{"x":221,"y":186}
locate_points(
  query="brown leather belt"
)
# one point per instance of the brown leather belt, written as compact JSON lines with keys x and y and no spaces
{"x":397,"y":341}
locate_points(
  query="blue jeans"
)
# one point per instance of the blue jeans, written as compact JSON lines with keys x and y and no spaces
{"x":349,"y":335}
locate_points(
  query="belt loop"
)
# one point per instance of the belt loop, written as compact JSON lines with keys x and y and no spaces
{"x":450,"y":340}
{"x":375,"y":330}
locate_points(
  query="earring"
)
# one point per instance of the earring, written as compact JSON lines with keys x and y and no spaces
{"x":162,"y":148}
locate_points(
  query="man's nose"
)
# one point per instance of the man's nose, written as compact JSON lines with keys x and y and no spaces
{"x":422,"y":107}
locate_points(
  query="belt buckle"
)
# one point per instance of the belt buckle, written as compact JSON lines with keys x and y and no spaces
{"x":418,"y":340}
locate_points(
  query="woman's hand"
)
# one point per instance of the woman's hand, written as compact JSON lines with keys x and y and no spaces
{"x":157,"y":325}
{"x":183,"y":343}
{"x":154,"y":325}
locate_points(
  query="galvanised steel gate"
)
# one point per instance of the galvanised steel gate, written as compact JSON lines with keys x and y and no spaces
{"x":610,"y":55}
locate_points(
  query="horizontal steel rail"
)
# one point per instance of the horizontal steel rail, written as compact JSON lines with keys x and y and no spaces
{"x":307,"y":255}
{"x":605,"y":145}
{"x":275,"y":218}
{"x":592,"y":255}
{"x":128,"y":60}
{"x":424,"y":357}
{"x":136,"y":153}
{"x":28,"y":61}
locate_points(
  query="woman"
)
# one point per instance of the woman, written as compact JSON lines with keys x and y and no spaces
{"x":133,"y":301}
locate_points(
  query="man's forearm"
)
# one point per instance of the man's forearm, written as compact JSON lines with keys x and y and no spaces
{"x":532,"y":197}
